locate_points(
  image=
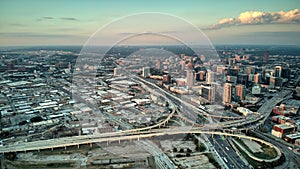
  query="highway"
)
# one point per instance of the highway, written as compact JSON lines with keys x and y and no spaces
{"x":161,"y":159}
{"x":152,"y":131}
{"x":292,"y":159}
{"x":71,"y":141}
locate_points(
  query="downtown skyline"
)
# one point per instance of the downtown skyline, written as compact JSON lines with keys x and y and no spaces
{"x":72,"y":23}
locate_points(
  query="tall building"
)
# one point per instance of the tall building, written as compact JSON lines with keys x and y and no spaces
{"x":251,"y":70}
{"x":146,"y":72}
{"x":240,"y":91}
{"x":10,"y":66}
{"x":242,"y":79}
{"x":257,"y":78}
{"x":202,"y":75}
{"x":250,"y":77}
{"x":275,"y":82}
{"x":210,"y":77}
{"x":286,"y":72}
{"x":190,"y":78}
{"x":233,"y":71}
{"x":158,"y":65}
{"x":227,"y":93}
{"x":266,"y":56}
{"x":207,"y":92}
{"x":278,"y":71}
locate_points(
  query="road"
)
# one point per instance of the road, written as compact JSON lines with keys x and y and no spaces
{"x":226,"y":151}
{"x":292,"y":159}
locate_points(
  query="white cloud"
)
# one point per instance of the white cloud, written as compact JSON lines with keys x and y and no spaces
{"x":258,"y":17}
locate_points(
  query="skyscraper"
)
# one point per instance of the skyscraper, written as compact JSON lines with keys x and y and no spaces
{"x":146,"y":72}
{"x":208,"y":92}
{"x":266,"y":56}
{"x":240,"y":91}
{"x":278,"y":71}
{"x":210,"y":77}
{"x":257,"y":78}
{"x":227,"y":93}
{"x":190,"y":78}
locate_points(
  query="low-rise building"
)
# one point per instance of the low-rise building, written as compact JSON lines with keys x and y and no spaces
{"x":281,"y":130}
{"x":291,"y":138}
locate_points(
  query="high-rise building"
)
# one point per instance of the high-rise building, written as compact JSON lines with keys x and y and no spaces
{"x":146,"y":72}
{"x":242,"y":79}
{"x":286,"y":72}
{"x":266,"y":56}
{"x":251,"y":70}
{"x":227,"y":93}
{"x":272,"y":82}
{"x":207,"y":92}
{"x":275,"y":82}
{"x":257,"y":78}
{"x":210,"y":77}
{"x":233,"y":71}
{"x":240,"y":91}
{"x":158,"y":65}
{"x":251,"y":77}
{"x":10,"y":66}
{"x":202,"y":75}
{"x":190,"y":77}
{"x":278,"y":71}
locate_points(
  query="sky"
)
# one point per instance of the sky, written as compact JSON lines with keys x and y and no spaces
{"x":70,"y":22}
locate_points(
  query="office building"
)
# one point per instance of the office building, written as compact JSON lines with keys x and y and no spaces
{"x":146,"y":72}
{"x":190,"y":78}
{"x":210,"y":77}
{"x":266,"y":56}
{"x":257,"y":78}
{"x":227,"y":93}
{"x":207,"y":92}
{"x":240,"y":91}
{"x":278,"y":71}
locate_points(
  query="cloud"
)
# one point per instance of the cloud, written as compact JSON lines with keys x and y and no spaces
{"x":62,"y":18}
{"x":47,"y":17}
{"x":69,"y":19}
{"x":258,"y":17}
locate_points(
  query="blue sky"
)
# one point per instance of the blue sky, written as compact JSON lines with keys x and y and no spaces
{"x":66,"y":22}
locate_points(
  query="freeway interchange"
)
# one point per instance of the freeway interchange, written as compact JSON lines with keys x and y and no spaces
{"x":139,"y":134}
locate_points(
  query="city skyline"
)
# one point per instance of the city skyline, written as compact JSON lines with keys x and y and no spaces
{"x":72,"y":23}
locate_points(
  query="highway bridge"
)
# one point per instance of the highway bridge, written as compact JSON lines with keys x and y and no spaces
{"x":118,"y":137}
